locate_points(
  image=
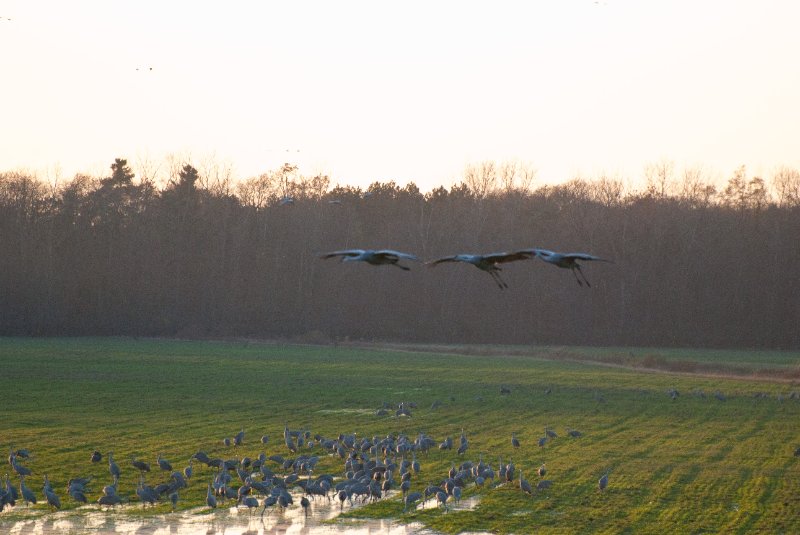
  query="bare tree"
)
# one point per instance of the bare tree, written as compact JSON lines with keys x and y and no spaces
{"x":526,"y":174}
{"x":316,"y":186}
{"x":659,"y":176}
{"x":257,"y":191}
{"x":174,"y":163}
{"x":148,"y":169}
{"x":744,"y":194}
{"x":481,"y":178}
{"x":514,"y":176}
{"x":786,"y":182}
{"x":606,"y":191}
{"x":216,"y":176}
{"x":287,"y":176}
{"x":695,"y":188}
{"x":507,"y":176}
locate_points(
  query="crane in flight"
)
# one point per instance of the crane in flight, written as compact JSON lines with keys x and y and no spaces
{"x":488,"y":262}
{"x":564,"y":260}
{"x":381,"y":257}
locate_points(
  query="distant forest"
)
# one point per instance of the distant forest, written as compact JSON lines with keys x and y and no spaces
{"x":204,"y":256}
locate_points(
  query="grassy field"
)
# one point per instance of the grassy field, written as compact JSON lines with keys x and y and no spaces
{"x":690,"y":465}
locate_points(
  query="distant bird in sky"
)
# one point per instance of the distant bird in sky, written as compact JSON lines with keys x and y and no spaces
{"x":565,"y":260}
{"x":376,"y":258}
{"x":488,"y":262}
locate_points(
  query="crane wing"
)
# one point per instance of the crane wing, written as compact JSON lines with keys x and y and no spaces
{"x":438,"y":261}
{"x":345,"y":252}
{"x":388,"y":253}
{"x":499,"y":258}
{"x":584,"y":256}
{"x":542,"y":252}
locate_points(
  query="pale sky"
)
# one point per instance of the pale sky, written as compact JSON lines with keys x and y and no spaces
{"x":404,"y":91}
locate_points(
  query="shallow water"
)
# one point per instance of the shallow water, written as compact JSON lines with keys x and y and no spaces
{"x":464,"y":505}
{"x":223,"y":521}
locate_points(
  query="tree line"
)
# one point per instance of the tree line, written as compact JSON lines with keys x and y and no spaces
{"x":694,"y":264}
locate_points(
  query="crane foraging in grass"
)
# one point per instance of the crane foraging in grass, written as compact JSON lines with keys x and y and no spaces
{"x":488,"y":263}
{"x":564,"y":260}
{"x":602,"y":483}
{"x":381,"y":257}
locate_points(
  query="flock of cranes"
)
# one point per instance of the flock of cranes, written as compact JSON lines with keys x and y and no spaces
{"x":372,"y":467}
{"x":489,"y":263}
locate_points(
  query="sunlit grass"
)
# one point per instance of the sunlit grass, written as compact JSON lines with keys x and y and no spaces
{"x":693,"y":464}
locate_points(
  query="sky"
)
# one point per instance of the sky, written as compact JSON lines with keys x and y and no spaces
{"x":407,"y":91}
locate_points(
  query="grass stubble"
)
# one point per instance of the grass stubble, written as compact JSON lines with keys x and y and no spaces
{"x":691,"y":465}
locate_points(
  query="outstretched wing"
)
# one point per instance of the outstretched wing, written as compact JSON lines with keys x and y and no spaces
{"x":442,"y":260}
{"x":538,"y":251}
{"x":346,"y":252}
{"x":584,"y":256}
{"x":388,"y":253}
{"x":500,"y":258}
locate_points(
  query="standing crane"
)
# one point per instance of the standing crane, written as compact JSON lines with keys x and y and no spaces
{"x":18,"y":468}
{"x":524,"y":485}
{"x":238,"y":440}
{"x":603,"y":482}
{"x":140,"y":465}
{"x":542,"y":470}
{"x":27,"y":494}
{"x":163,"y":463}
{"x":113,"y":468}
{"x":211,"y":500}
{"x":52,"y":499}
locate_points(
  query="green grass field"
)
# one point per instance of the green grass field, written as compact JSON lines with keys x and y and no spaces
{"x":690,"y":465}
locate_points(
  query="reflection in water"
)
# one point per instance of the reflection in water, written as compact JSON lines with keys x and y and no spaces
{"x":233,"y":521}
{"x":464,"y":505}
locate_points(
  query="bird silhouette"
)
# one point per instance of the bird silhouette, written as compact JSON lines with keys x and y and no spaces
{"x":602,"y":483}
{"x":381,"y":257}
{"x":565,"y":260}
{"x":488,"y":262}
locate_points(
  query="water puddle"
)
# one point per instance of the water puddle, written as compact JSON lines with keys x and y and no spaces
{"x":466,"y":504}
{"x":223,"y":521}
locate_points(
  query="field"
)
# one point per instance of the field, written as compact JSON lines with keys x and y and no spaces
{"x":690,"y":464}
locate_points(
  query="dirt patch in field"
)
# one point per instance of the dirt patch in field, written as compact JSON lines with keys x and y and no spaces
{"x":646,"y":363}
